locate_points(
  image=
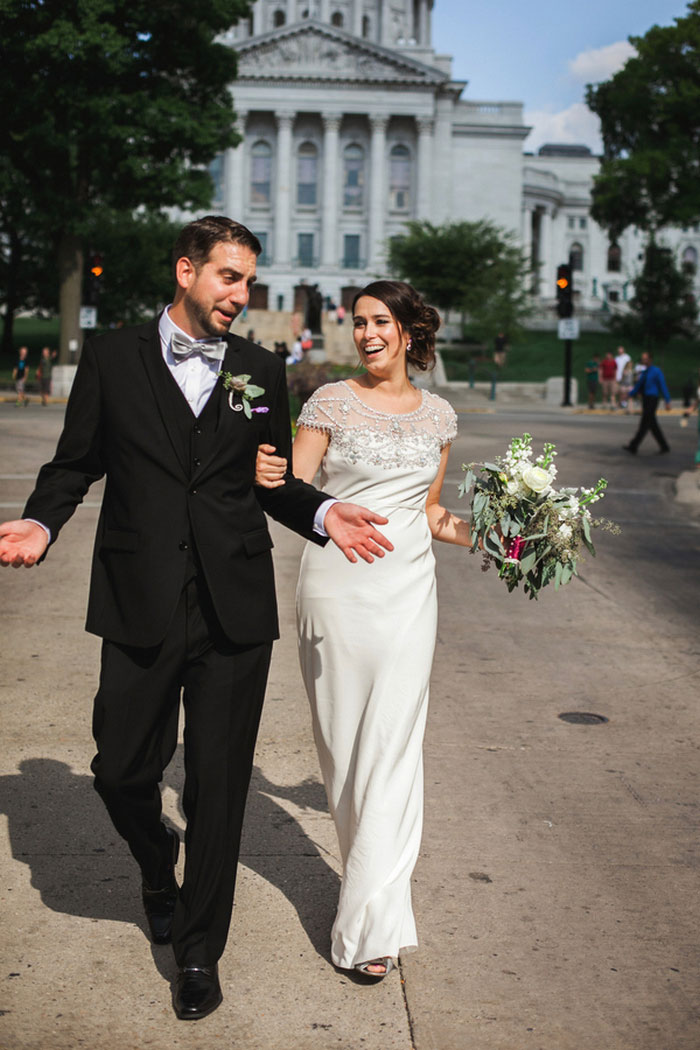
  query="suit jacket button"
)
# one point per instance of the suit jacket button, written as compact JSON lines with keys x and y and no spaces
{"x":197,"y":429}
{"x":193,"y":492}
{"x":184,"y":545}
{"x":197,"y":462}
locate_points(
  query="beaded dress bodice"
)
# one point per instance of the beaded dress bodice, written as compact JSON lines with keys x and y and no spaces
{"x":379,"y":459}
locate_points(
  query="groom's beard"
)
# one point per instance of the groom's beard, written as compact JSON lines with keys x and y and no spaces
{"x":208,"y":324}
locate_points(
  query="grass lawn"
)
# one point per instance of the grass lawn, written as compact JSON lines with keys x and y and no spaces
{"x":538,"y":355}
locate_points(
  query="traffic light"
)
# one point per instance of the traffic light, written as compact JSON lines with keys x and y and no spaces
{"x":94,"y":279}
{"x":565,"y":296}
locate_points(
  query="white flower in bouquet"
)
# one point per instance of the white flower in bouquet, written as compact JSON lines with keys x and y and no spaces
{"x":533,"y":531}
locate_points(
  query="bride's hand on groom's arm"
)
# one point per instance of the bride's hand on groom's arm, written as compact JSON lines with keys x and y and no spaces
{"x":352,"y":529}
{"x":269,"y":469}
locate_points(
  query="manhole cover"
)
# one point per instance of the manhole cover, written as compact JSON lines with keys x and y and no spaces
{"x":583,"y":718}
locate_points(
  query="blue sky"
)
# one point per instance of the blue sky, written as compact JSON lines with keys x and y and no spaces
{"x":543,"y":53}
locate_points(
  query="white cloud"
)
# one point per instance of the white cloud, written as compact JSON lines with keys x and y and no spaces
{"x":590,"y":67}
{"x":575,"y":125}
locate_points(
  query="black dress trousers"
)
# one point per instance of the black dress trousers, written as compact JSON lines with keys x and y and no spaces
{"x":135,"y":727}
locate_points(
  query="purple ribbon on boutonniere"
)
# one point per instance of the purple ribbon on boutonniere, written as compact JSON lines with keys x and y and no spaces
{"x":240,"y":387}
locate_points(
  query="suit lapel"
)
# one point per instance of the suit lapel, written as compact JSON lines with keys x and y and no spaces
{"x":162,"y":384}
{"x":226,"y":420}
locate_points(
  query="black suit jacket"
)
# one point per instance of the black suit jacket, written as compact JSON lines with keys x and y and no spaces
{"x":157,"y":499}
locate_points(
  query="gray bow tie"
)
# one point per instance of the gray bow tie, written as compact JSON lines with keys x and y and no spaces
{"x":182,"y":347}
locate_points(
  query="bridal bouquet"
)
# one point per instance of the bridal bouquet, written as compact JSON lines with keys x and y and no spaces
{"x":532,"y":530}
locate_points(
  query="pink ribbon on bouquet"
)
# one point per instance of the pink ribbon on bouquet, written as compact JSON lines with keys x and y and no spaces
{"x":515,"y":548}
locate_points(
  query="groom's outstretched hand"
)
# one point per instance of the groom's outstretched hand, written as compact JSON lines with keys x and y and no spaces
{"x":351,"y":528}
{"x":22,"y":543}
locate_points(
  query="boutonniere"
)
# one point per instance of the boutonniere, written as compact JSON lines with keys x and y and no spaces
{"x":241,"y":387}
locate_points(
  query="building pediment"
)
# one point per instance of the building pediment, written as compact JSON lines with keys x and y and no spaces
{"x":315,"y":51}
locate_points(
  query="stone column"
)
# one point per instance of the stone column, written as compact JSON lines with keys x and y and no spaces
{"x":357,"y":17}
{"x":234,"y":174}
{"x":526,"y":238}
{"x":422,"y":27}
{"x":425,"y":156}
{"x":325,"y":14}
{"x":377,"y":191}
{"x":283,"y":189}
{"x":291,"y":11}
{"x":257,"y":19}
{"x":329,"y":243}
{"x":442,"y":164}
{"x":545,"y":259}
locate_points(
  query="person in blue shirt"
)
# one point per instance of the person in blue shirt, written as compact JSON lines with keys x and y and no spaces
{"x":651,"y":385}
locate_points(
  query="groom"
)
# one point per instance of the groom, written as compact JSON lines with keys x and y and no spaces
{"x":182,"y":590}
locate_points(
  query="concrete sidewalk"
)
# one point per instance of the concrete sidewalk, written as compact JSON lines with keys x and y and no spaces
{"x":557,"y":890}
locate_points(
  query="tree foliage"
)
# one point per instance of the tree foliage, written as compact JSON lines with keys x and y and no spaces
{"x":663,"y":303}
{"x":109,"y":106}
{"x":650,"y":123}
{"x":473,"y":267}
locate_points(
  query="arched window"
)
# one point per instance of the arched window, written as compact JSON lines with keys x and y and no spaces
{"x":278,"y":19}
{"x":576,"y":256}
{"x":690,"y":260}
{"x":305,"y":13}
{"x":365,"y":27}
{"x":337,"y":19}
{"x":260,"y":172}
{"x":400,"y":178}
{"x":614,"y":258}
{"x":353,"y":176}
{"x":307,"y":173}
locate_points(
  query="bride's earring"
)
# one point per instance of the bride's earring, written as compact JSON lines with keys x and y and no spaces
{"x":409,"y":344}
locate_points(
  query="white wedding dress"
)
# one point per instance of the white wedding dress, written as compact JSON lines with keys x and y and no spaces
{"x":366,"y":642}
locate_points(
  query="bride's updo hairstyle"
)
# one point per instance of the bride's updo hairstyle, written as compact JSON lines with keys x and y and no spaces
{"x":413,"y":314}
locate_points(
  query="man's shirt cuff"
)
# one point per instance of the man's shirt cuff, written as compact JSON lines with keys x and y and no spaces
{"x":320,"y":516}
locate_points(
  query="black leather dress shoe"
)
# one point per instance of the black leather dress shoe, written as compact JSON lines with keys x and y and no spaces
{"x":197,"y":992}
{"x":159,"y":904}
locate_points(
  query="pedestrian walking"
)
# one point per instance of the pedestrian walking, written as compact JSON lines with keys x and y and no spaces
{"x":623,"y":366}
{"x":182,"y":589}
{"x":608,"y":372}
{"x":43,"y":373}
{"x":20,"y":374}
{"x":650,"y":386}
{"x":592,"y":370}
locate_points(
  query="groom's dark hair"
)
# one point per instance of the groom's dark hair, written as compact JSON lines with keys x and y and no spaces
{"x":196,"y":239}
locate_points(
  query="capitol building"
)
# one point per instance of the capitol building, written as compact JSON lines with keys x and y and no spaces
{"x":352,"y":125}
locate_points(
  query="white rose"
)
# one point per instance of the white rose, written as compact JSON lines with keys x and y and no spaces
{"x":565,"y":531}
{"x":512,"y":488}
{"x":537,"y":479}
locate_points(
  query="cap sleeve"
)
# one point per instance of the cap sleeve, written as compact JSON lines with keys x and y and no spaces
{"x":321,"y":411}
{"x":447,"y":425}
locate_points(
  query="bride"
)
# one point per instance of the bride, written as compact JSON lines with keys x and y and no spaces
{"x":367,"y":633}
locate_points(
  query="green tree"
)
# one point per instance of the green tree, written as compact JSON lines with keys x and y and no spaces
{"x":109,"y":106}
{"x":473,"y":267}
{"x":650,"y":124}
{"x":663,"y":303}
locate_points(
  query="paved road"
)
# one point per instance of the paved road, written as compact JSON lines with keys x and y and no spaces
{"x":556,"y":892}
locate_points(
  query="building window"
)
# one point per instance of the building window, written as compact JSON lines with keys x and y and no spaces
{"x":305,"y":249}
{"x":613,"y":295}
{"x":216,"y":170}
{"x":572,"y":222}
{"x":260,"y":172}
{"x":583,"y":223}
{"x":307,"y":173}
{"x":576,"y":256}
{"x":278,"y":19}
{"x":263,"y":258}
{"x":351,"y":251}
{"x":614,"y":258}
{"x":400,"y":178}
{"x":690,"y":260}
{"x":353,"y":176}
{"x":365,"y":27}
{"x":337,"y":19}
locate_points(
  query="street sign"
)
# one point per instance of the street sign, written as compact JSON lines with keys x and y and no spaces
{"x":569,"y":328}
{"x":88,"y":317}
